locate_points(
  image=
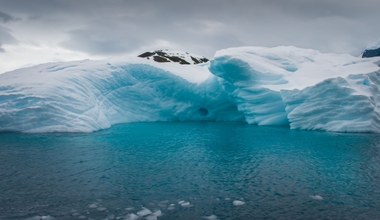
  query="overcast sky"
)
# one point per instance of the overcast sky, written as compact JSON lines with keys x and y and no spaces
{"x":38,"y":31}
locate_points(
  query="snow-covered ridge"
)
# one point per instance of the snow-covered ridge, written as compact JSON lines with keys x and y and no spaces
{"x":164,"y":56}
{"x":285,"y":86}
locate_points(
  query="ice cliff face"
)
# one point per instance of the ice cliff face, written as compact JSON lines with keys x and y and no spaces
{"x":283,"y":86}
{"x":303,"y":88}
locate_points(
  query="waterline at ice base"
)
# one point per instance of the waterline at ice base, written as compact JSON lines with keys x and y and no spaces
{"x":280,"y":86}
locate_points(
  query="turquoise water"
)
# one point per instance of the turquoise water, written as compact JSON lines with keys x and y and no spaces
{"x":276,"y":172}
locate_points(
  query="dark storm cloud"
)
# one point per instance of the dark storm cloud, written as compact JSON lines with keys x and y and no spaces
{"x":202,"y":26}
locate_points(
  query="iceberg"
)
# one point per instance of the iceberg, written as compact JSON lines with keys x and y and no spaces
{"x":302,"y":88}
{"x":280,"y":86}
{"x":85,"y":96}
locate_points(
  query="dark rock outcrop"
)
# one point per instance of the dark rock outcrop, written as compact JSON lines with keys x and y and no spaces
{"x":164,"y":56}
{"x":371,"y":53}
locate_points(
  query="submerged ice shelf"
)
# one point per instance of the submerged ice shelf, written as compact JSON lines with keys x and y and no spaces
{"x":300,"y":88}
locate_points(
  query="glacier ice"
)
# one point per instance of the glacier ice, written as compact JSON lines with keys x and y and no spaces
{"x":303,"y":88}
{"x":283,"y":86}
{"x":85,"y":96}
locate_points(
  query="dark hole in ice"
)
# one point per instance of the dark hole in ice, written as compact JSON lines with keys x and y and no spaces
{"x":203,"y":111}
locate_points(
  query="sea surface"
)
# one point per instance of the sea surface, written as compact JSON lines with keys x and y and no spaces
{"x":190,"y":171}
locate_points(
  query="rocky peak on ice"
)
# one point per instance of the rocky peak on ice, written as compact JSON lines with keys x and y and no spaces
{"x":165,"y":56}
{"x":372,"y":51}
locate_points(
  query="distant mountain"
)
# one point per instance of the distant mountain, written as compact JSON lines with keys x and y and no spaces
{"x":164,"y":56}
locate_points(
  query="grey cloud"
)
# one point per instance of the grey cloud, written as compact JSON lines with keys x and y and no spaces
{"x":5,"y":38}
{"x":35,"y":7}
{"x":100,"y":41}
{"x":201,"y":26}
{"x":4,"y":17}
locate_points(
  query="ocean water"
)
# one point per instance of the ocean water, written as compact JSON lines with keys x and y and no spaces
{"x":190,"y":171}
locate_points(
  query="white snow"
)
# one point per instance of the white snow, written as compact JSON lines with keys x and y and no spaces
{"x":374,"y":45}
